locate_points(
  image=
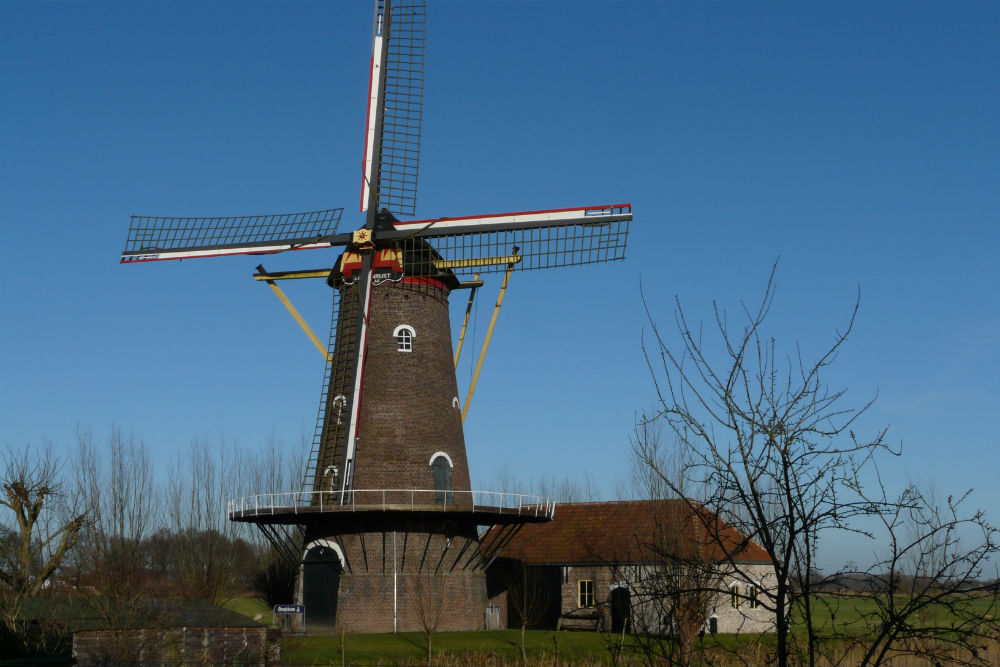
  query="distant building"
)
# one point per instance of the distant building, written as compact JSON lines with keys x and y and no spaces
{"x":615,"y":565}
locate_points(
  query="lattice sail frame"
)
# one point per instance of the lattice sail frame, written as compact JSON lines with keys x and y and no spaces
{"x":527,"y":248}
{"x":159,"y":237}
{"x":402,"y":113}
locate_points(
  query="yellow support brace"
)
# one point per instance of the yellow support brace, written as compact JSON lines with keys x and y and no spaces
{"x":290,"y":275}
{"x":474,"y":261}
{"x":489,"y":334}
{"x":465,"y":323}
{"x":295,"y":313}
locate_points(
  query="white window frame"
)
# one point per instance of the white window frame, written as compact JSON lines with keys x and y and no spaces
{"x":447,"y":458}
{"x":404,"y":335}
{"x":753,"y":595}
{"x":333,"y":546}
{"x":338,"y":401}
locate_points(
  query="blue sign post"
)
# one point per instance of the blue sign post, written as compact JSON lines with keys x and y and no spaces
{"x":290,"y":617}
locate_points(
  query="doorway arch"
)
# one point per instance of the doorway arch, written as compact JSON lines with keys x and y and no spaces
{"x":322,"y":565}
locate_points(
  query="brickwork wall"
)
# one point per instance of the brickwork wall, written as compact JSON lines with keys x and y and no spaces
{"x":743,"y":618}
{"x":730,"y":619}
{"x":407,"y":409}
{"x":450,"y":601}
{"x":197,"y":647}
{"x":602,"y":576}
{"x":432,"y":568}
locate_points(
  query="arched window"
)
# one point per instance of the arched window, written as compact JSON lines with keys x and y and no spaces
{"x":753,"y":595}
{"x":338,"y":402}
{"x":404,"y":334}
{"x":441,"y":466}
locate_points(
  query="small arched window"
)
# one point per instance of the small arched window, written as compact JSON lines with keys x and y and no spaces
{"x":404,"y":334}
{"x":338,"y":402}
{"x":753,"y":595}
{"x":441,"y":466}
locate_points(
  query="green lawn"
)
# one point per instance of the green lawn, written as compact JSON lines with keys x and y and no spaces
{"x":577,"y":648}
{"x":250,"y":607}
{"x":449,"y":648}
{"x":855,"y":615}
{"x":499,"y":648}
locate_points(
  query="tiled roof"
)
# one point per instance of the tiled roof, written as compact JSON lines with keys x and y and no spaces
{"x":630,"y":531}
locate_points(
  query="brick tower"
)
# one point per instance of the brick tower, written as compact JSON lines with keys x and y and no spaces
{"x":404,"y":549}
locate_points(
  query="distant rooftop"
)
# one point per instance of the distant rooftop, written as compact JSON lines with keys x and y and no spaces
{"x":629,"y":531}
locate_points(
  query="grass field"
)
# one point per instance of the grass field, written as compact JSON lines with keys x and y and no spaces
{"x":500,"y":647}
{"x":855,"y":615}
{"x":250,"y":608}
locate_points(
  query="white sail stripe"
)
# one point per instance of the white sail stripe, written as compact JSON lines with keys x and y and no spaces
{"x":510,"y":218}
{"x":217,"y":252}
{"x":352,"y":426}
{"x":375,"y":84}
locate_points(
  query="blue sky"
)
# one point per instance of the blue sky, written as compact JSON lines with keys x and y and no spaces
{"x":857,"y":141}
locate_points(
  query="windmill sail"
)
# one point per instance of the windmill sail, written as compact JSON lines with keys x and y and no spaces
{"x":395,"y":106}
{"x":545,"y":239}
{"x":153,"y":238}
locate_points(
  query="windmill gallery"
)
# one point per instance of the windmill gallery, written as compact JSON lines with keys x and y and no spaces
{"x":386,"y":522}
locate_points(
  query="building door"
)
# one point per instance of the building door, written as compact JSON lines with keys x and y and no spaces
{"x":621,"y":609}
{"x":442,"y":481}
{"x":321,"y":570}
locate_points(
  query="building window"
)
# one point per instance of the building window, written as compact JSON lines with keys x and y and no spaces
{"x":734,"y":596}
{"x":753,"y":596}
{"x":565,"y":574}
{"x":338,"y":402}
{"x":441,"y":466}
{"x":404,"y":334}
{"x":586,"y":592}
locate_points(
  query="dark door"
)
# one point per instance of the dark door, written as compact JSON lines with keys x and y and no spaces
{"x":320,"y":584}
{"x":621,"y":610}
{"x":442,"y":481}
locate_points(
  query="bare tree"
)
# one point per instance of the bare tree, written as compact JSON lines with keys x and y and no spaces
{"x":771,"y":447}
{"x":526,"y":597}
{"x":210,"y":548}
{"x":926,"y":594}
{"x":565,"y":490}
{"x":118,"y":490}
{"x":37,"y":529}
{"x":113,"y":560}
{"x":429,"y":594}
{"x":680,"y":584}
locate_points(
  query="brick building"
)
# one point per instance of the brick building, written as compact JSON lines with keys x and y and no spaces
{"x":602,"y":566}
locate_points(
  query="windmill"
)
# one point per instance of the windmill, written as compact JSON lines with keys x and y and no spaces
{"x":387,"y":518}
